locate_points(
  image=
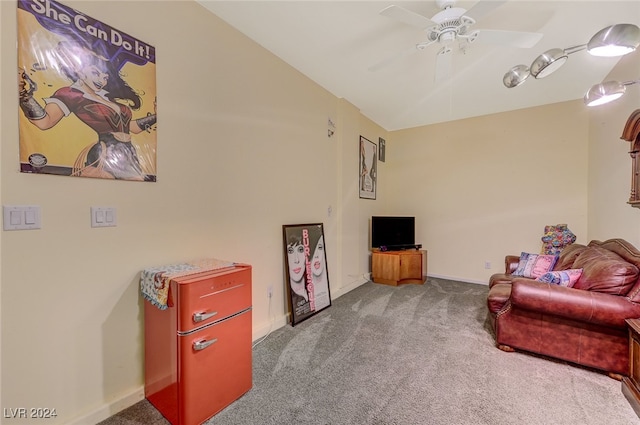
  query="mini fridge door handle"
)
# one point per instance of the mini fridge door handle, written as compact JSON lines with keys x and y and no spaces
{"x":202,"y":344}
{"x":203,"y":315}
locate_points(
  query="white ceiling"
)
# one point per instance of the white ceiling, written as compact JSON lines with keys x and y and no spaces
{"x":335,"y":42}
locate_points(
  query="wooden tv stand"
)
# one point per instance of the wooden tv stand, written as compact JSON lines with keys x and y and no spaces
{"x":398,"y":267}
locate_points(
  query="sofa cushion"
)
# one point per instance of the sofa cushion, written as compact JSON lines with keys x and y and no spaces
{"x":604,"y":271}
{"x":566,"y":278}
{"x":568,"y":256}
{"x":534,"y":265}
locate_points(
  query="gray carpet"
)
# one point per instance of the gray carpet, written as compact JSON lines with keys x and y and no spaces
{"x":415,"y":354}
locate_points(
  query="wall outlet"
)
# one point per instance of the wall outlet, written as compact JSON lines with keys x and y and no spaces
{"x":487,"y":265}
{"x":270,"y":291}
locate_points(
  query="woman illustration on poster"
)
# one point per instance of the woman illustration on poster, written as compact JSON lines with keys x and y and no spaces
{"x":102,"y":100}
{"x":296,"y":261}
{"x":319,"y":273}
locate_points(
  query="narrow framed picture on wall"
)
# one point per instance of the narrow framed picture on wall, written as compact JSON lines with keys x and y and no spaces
{"x":307,"y":277}
{"x":368,"y":169}
{"x":381,"y":148}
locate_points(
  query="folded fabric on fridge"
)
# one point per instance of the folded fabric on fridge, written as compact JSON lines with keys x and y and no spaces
{"x":154,"y":281}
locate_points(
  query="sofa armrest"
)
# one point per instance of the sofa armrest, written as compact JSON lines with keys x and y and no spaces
{"x":511,"y":263}
{"x":576,"y":304}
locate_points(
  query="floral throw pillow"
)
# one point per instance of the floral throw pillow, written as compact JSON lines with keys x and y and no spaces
{"x":534,"y":265}
{"x":562,"y":277}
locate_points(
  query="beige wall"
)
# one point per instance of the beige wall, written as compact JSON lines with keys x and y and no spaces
{"x":2,"y":95}
{"x":610,"y":163}
{"x":242,"y":150}
{"x":485,"y":187}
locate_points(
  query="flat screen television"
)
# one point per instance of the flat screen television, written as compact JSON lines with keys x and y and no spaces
{"x":393,"y":233}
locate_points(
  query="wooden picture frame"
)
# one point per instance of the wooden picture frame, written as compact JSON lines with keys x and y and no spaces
{"x":367,"y":180}
{"x":307,"y":277}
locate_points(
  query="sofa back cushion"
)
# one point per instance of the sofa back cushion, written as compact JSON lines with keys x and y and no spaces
{"x":604,"y":271}
{"x":568,"y":255}
{"x":628,"y":252}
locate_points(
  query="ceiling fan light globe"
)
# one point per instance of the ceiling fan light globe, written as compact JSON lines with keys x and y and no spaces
{"x":547,"y":63}
{"x":615,"y":40}
{"x":447,"y":37}
{"x":516,"y":76}
{"x":604,"y":93}
{"x":442,"y":4}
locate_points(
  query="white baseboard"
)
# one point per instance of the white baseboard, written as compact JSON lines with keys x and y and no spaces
{"x":278,"y":322}
{"x":459,"y":279}
{"x":127,"y":400}
{"x":133,"y":397}
{"x":267,"y":328}
{"x":350,"y":287}
{"x":110,"y":409}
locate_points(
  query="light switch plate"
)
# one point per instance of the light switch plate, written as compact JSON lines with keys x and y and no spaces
{"x":103,"y":217}
{"x":21,"y":217}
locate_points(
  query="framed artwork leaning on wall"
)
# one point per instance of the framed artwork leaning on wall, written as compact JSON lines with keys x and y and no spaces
{"x":307,"y":277}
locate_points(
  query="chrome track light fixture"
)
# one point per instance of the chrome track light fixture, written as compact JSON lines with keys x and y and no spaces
{"x":606,"y":92}
{"x":615,"y":40}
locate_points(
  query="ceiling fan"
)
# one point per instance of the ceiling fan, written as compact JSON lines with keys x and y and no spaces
{"x":454,"y":24}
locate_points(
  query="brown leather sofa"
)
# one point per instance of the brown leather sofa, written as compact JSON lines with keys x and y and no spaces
{"x":583,"y":324}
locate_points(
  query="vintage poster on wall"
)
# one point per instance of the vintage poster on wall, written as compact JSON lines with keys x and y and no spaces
{"x":368,"y":165}
{"x":87,"y":96}
{"x":306,"y":270}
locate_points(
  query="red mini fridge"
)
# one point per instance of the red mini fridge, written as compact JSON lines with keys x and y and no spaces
{"x":198,"y":349}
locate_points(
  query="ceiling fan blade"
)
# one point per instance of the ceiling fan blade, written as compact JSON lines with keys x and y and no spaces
{"x":408,"y":17}
{"x":482,"y":8}
{"x":388,"y":61}
{"x":520,"y":39}
{"x":444,"y":64}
